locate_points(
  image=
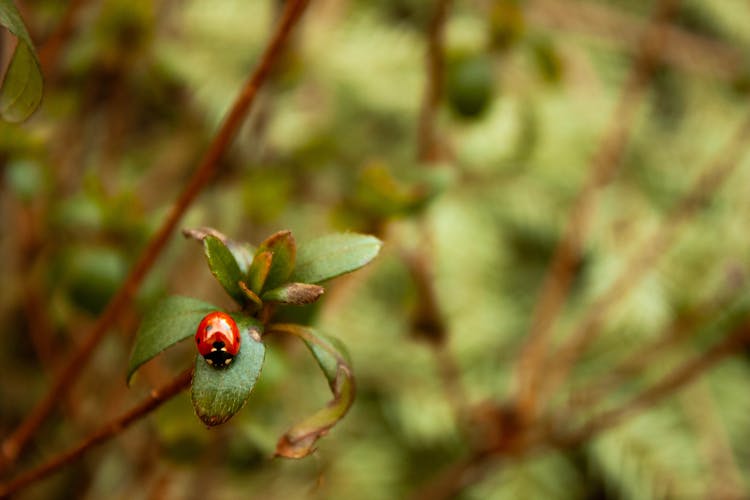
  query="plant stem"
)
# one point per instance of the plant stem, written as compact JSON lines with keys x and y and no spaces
{"x":14,"y":444}
{"x":647,"y":256}
{"x":604,"y":163}
{"x":104,"y":433}
{"x":681,"y":328}
{"x":685,"y":50}
{"x":49,"y":53}
{"x":679,"y":377}
{"x":428,"y":149}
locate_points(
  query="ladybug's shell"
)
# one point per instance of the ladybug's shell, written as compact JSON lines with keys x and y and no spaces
{"x":218,"y":339}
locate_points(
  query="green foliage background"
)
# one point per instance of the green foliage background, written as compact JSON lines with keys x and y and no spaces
{"x":331,"y":145}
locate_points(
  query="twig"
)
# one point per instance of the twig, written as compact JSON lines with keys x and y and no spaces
{"x":428,"y":149}
{"x":49,"y":53}
{"x":108,"y":431}
{"x":682,"y":49}
{"x":13,"y":444}
{"x":428,"y":324}
{"x":647,"y":256}
{"x":678,"y":331}
{"x":681,"y":376}
{"x":454,"y":478}
{"x":699,"y":406}
{"x":567,"y":253}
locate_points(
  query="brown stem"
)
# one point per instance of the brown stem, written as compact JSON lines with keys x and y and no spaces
{"x":714,"y":443}
{"x":682,"y":50}
{"x":428,"y":149}
{"x":428,"y":324}
{"x":454,"y":478}
{"x":104,"y":433}
{"x":681,"y":376}
{"x":647,"y":256}
{"x":679,"y":330}
{"x":13,"y":444}
{"x":49,"y":53}
{"x":603,"y":165}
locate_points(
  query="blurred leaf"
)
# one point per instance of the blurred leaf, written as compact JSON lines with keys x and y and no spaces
{"x":297,"y":294}
{"x":284,"y":251}
{"x":333,"y":255}
{"x":25,"y":178}
{"x":93,"y":275}
{"x":172,"y":320}
{"x":258,"y":272}
{"x":21,"y":90}
{"x":379,"y":194}
{"x":548,"y":62}
{"x":224,"y":267}
{"x":218,"y":394}
{"x":298,"y":442}
{"x":470,"y":85}
{"x":506,"y":23}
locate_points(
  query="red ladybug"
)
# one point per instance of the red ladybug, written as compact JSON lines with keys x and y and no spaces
{"x":218,"y":339}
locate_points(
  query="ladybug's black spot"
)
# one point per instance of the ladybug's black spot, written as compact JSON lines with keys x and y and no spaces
{"x":218,"y":344}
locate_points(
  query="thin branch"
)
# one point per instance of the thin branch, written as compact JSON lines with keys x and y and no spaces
{"x":13,"y":444}
{"x":679,"y":330}
{"x":667,"y":386}
{"x":648,"y":254}
{"x":454,"y":478}
{"x":602,"y":168}
{"x":427,"y":139}
{"x":715,"y":444}
{"x":49,"y":53}
{"x":104,"y":433}
{"x":428,"y":324}
{"x":682,"y":49}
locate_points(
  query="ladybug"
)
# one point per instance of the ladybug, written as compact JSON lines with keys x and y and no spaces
{"x":218,"y":339}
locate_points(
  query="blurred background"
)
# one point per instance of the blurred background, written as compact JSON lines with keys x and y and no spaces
{"x":135,"y":91}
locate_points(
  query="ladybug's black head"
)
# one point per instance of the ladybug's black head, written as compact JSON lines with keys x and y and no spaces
{"x":218,"y":357}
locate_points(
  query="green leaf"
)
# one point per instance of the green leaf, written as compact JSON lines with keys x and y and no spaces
{"x":21,"y":89}
{"x":252,"y":297}
{"x":298,"y":442}
{"x":297,"y":294}
{"x":243,"y":252}
{"x":333,"y":255}
{"x":170,"y":321}
{"x":217,"y":394}
{"x":259,"y":269}
{"x":284,"y":250}
{"x":224,"y":267}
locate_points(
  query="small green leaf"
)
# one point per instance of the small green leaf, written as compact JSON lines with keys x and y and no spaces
{"x":243,"y":252}
{"x":284,"y":251}
{"x":296,"y":294}
{"x":298,"y":442}
{"x":217,"y":394}
{"x":333,"y":255}
{"x":170,"y":321}
{"x":21,"y":89}
{"x":251,"y":296}
{"x":328,"y":362}
{"x":224,"y":267}
{"x":258,"y":272}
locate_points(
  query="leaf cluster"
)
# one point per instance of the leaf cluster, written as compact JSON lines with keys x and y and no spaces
{"x":259,"y":279}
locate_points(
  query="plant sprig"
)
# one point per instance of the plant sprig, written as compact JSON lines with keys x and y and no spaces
{"x":280,"y":273}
